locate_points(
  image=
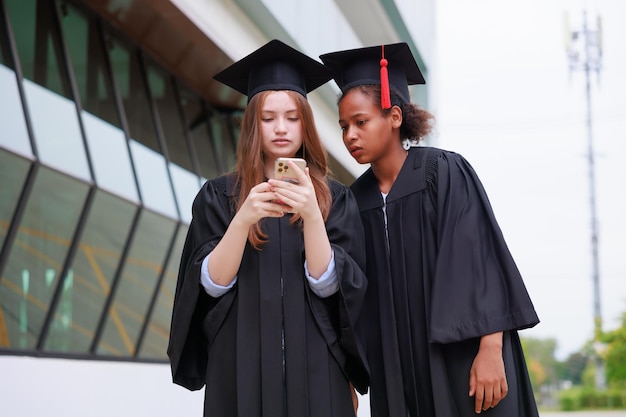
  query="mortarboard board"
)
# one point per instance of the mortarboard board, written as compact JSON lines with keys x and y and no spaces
{"x":386,"y":65}
{"x":275,"y":66}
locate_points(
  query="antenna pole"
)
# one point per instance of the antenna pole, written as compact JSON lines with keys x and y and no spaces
{"x":589,"y":59}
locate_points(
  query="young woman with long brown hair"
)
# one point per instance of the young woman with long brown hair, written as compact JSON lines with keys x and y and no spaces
{"x":271,"y":284}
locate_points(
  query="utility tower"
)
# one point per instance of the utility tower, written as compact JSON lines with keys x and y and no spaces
{"x":584,"y":52}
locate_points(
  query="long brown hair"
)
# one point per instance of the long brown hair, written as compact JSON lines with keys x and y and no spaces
{"x":249,"y":167}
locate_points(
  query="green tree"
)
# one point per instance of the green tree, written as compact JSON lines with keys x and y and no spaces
{"x":615,"y":355}
{"x":573,"y":367}
{"x":542,"y":364}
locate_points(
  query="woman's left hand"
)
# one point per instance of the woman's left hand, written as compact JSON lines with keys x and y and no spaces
{"x":299,"y":198}
{"x":488,"y":383}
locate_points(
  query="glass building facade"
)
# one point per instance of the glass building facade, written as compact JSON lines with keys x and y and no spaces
{"x":102,"y":150}
{"x":110,"y":122}
{"x":109,"y":125}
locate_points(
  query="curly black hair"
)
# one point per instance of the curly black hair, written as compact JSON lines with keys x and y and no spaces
{"x":417,"y":123}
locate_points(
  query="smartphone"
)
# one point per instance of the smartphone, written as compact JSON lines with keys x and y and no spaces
{"x":282,"y":171}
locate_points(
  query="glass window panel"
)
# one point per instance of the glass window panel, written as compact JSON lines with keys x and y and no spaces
{"x":85,"y":49}
{"x":154,"y":182}
{"x":105,"y":138}
{"x":13,"y":171}
{"x":46,"y":86}
{"x":75,"y":31}
{"x":111,"y":162}
{"x":13,"y":131}
{"x":37,"y":254}
{"x":138,"y":282}
{"x":56,"y":130}
{"x":196,"y":117}
{"x":154,"y":345}
{"x":130,"y":83}
{"x":165,"y":99}
{"x":88,"y":283}
{"x":186,"y":186}
{"x":234,"y":125}
{"x":5,"y":52}
{"x":223,"y":140}
{"x":38,"y":45}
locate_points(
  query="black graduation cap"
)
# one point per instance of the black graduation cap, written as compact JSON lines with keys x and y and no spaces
{"x":391,"y":64}
{"x":275,"y":66}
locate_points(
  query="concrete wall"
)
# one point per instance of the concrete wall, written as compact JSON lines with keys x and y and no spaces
{"x":47,"y":387}
{"x":77,"y":388}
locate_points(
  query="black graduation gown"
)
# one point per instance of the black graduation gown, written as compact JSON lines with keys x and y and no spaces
{"x":446,"y":279}
{"x":233,"y":345}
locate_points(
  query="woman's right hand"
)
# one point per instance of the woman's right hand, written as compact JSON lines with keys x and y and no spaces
{"x":258,"y":205}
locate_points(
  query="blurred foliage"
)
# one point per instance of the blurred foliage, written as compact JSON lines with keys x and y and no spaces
{"x":542,"y":365}
{"x":572,"y":382}
{"x":615,"y":355}
{"x":589,"y":375}
{"x":589,"y":398}
{"x":573,"y":368}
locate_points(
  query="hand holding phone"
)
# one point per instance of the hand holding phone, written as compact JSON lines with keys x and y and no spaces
{"x":282,"y":171}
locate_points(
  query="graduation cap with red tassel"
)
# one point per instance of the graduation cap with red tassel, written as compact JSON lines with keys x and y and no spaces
{"x":390,"y":66}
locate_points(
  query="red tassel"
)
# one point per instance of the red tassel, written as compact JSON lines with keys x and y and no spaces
{"x":385,"y":95}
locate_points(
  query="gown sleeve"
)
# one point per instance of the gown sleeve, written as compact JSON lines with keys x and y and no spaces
{"x":187,"y":348}
{"x":477,"y":288}
{"x":338,"y":316}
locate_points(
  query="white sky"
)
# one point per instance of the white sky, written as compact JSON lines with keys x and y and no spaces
{"x":508,"y":102}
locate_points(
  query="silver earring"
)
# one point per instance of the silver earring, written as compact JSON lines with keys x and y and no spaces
{"x":406,"y":144}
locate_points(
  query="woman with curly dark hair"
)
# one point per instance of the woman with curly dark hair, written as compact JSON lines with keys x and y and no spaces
{"x":445,"y":299}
